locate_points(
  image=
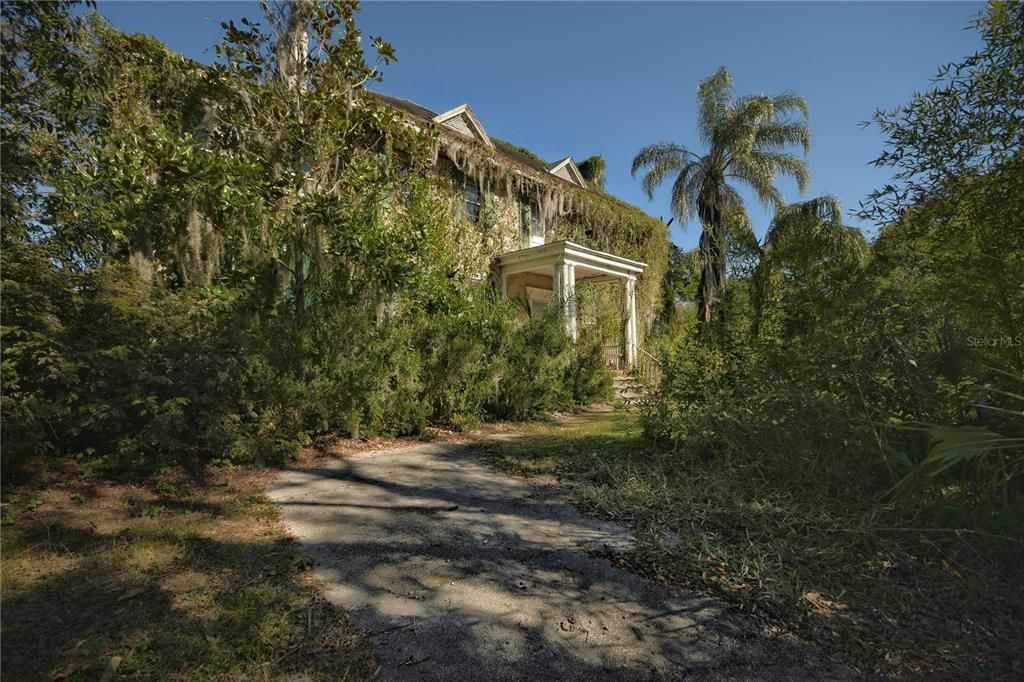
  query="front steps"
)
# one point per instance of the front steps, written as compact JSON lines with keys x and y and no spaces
{"x":628,"y":388}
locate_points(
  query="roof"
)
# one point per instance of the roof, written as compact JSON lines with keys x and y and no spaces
{"x":468,"y":120}
{"x":406,"y":106}
{"x":503,"y":148}
{"x":507,"y":150}
{"x":569,"y":167}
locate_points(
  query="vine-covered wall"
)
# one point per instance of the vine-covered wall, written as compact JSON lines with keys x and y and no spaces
{"x":588,"y":216}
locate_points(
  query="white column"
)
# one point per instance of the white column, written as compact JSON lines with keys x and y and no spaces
{"x":569,"y":296}
{"x":629,"y":313}
{"x":557,"y":276}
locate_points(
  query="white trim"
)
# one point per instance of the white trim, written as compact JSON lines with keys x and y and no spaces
{"x":466,"y":112}
{"x":568,"y":164}
{"x":548,"y":255}
{"x":564,"y":259}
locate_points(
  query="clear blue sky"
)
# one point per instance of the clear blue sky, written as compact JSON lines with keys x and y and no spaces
{"x":607,"y":78}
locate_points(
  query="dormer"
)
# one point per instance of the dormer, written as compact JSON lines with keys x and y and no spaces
{"x":463,"y":121}
{"x":567,"y":170}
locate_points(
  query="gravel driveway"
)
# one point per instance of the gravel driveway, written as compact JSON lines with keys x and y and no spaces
{"x":461,"y":572}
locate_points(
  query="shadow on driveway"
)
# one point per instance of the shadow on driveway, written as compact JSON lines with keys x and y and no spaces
{"x":460,"y":572}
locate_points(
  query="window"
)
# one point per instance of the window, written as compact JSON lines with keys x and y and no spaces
{"x":533,"y":227}
{"x":471,"y":193}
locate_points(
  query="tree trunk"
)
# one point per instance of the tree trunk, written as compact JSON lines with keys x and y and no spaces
{"x":758,"y":300}
{"x":712,"y":276}
{"x":293,"y":45}
{"x":141,"y":257}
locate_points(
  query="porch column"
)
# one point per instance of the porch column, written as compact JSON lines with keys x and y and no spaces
{"x":568,"y":290}
{"x":629,"y":313}
{"x":565,"y":291}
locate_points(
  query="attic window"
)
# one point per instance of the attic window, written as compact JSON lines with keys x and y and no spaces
{"x":471,"y":194}
{"x":568,"y":171}
{"x":462,"y":120}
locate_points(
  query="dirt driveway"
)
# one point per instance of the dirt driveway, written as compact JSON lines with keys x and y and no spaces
{"x":460,"y":572}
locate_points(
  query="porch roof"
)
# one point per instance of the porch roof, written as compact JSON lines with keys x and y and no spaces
{"x":590,"y":264}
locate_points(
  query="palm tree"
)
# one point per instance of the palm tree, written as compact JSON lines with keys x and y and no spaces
{"x":805,"y":245}
{"x":746,"y":140}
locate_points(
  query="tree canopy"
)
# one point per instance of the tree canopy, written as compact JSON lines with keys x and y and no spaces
{"x":746,"y":141}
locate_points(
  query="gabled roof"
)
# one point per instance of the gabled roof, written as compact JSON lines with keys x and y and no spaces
{"x":507,"y":151}
{"x":567,"y":170}
{"x":405,"y":105}
{"x":503,"y":149}
{"x":461,"y":119}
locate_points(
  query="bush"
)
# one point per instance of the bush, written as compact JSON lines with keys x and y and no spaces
{"x":850,"y":413}
{"x":104,"y":366}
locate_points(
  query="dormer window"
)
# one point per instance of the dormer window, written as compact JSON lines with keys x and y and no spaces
{"x":533,"y":227}
{"x":471,"y":195}
{"x":463,"y":121}
{"x":568,"y":171}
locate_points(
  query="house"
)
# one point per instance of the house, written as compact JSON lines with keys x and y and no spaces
{"x":548,"y":226}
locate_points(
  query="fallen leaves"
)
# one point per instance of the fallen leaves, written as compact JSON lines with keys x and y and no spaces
{"x":822,"y":605}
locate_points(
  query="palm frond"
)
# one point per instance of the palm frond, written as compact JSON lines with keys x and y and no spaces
{"x":741,"y":230}
{"x":714,"y":101}
{"x":660,"y":160}
{"x":691,"y":188}
{"x":775,"y":135}
{"x":732,"y":200}
{"x":658,"y":151}
{"x":790,"y":166}
{"x":684,"y":191}
{"x":815,"y":228}
{"x":789,"y":102}
{"x":758,"y":171}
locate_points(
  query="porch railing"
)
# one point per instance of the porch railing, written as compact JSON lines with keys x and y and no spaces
{"x":647,"y":369}
{"x":613,"y":357}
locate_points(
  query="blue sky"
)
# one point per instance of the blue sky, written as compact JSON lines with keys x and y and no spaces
{"x":586,"y":78}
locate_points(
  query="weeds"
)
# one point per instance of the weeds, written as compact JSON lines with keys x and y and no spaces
{"x":878,"y":588}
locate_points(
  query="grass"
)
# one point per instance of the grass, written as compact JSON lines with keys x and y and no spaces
{"x":174,"y":577}
{"x":876,"y":589}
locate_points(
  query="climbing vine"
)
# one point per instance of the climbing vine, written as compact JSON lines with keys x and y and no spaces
{"x":588,"y":216}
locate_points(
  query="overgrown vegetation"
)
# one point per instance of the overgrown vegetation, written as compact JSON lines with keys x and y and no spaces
{"x":218,"y":265}
{"x":867,"y":400}
{"x":878,"y":588}
{"x":894,"y":368}
{"x":223,"y":263}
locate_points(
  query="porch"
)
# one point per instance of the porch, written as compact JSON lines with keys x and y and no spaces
{"x":548,"y":274}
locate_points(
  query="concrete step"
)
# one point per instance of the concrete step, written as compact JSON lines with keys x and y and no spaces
{"x":629,"y":389}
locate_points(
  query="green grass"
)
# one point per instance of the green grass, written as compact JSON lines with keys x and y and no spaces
{"x":169,"y":578}
{"x":844,"y":573}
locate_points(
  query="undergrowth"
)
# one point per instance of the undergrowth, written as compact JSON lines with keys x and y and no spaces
{"x":877,"y":587}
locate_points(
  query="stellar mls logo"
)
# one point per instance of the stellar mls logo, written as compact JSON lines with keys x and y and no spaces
{"x":995,"y":341}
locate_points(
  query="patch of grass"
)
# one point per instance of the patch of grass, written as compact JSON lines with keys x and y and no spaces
{"x":877,"y":589}
{"x":172,"y":578}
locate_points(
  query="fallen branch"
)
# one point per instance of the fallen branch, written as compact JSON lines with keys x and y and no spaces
{"x":392,"y":629}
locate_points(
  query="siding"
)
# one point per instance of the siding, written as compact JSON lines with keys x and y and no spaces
{"x":460,"y":125}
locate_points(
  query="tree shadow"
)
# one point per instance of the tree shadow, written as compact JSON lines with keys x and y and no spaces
{"x":462,"y":573}
{"x":217,"y":608}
